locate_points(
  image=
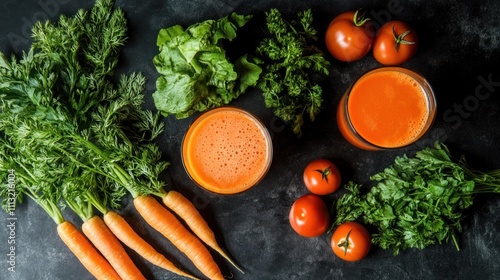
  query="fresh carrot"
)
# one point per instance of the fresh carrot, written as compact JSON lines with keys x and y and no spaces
{"x":192,"y":217}
{"x":111,"y":248}
{"x":161,"y":219}
{"x":48,"y":198}
{"x":126,"y":234}
{"x":94,"y":262}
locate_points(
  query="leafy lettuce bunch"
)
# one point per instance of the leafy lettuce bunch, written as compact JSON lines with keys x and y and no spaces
{"x":196,"y":73}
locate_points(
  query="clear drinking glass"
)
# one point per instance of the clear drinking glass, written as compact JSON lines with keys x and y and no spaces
{"x":227,"y":150}
{"x":386,"y":108}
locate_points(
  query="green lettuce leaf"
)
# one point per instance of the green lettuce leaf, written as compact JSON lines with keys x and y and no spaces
{"x":196,"y":73}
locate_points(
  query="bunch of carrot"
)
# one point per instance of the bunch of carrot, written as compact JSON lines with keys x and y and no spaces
{"x":75,"y":138}
{"x":105,"y":234}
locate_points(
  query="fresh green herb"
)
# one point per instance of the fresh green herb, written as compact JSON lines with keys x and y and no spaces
{"x":288,"y":82}
{"x":196,"y":73}
{"x":417,"y":201}
{"x":23,"y":182}
{"x":69,"y":132}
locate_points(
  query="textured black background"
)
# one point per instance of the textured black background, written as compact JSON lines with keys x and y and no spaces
{"x":459,"y":53}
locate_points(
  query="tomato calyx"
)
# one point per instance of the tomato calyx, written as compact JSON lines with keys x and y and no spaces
{"x":361,"y":20}
{"x":324,"y":173}
{"x":400,"y":38}
{"x":345,"y":244}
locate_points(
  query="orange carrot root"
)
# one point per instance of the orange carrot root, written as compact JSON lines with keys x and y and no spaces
{"x":188,"y":212}
{"x":126,"y":234}
{"x":91,"y":259}
{"x":104,"y":240}
{"x":158,"y":217}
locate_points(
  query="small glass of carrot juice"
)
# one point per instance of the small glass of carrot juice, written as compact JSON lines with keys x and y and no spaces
{"x":227,"y":150}
{"x":386,"y":108}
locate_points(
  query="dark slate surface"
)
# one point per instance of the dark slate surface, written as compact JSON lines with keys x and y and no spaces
{"x":459,"y":54}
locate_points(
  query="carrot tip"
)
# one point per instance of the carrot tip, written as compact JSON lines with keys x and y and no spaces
{"x":226,"y":256}
{"x":188,"y":212}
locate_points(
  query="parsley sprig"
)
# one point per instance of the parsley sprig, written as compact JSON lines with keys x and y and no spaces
{"x":417,"y":201}
{"x":288,"y":81}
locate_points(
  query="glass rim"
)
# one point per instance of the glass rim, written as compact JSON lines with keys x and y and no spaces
{"x":429,"y":96}
{"x":260,"y":125}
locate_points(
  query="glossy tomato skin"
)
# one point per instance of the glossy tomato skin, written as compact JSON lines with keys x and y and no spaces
{"x":347,"y":42}
{"x":384,"y":46}
{"x":321,"y":177}
{"x":309,"y":216}
{"x":351,"y":241}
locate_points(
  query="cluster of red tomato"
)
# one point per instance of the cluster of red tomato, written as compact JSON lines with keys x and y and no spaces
{"x":350,"y":36}
{"x":309,"y":216}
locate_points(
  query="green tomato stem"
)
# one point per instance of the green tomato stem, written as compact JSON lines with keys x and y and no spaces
{"x":400,"y":38}
{"x":345,"y":244}
{"x":361,"y":20}
{"x":324,"y":173}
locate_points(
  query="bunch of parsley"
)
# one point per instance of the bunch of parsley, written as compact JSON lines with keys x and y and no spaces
{"x":288,"y":81}
{"x":417,"y":201}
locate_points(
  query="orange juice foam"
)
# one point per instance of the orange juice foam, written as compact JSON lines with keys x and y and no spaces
{"x":227,"y":150}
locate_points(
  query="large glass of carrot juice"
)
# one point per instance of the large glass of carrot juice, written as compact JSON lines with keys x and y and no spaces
{"x":387,"y":107}
{"x":227,"y":150}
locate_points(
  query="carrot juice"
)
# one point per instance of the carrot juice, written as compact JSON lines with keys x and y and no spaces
{"x":389,"y":107}
{"x":227,"y":150}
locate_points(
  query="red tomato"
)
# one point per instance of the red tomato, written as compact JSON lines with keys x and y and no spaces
{"x":351,"y":241}
{"x":309,"y":216}
{"x":396,"y":42}
{"x":321,"y":177}
{"x":349,"y":36}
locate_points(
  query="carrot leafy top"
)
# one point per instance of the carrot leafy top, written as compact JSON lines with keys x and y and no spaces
{"x":73,"y":134}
